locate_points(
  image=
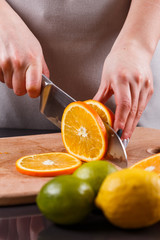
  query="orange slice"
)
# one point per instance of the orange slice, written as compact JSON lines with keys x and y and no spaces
{"x":83,"y":132}
{"x":105,"y":113}
{"x":48,"y":164}
{"x":150,"y":164}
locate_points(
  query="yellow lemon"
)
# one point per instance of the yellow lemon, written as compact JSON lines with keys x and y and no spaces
{"x":130,"y":198}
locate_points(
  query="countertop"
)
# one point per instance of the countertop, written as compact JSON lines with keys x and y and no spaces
{"x":25,"y":222}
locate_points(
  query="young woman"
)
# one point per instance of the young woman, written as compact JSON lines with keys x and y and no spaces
{"x":93,"y":49}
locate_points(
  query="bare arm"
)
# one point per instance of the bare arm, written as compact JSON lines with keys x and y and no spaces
{"x":21,"y":58}
{"x":142,"y":25}
{"x":126,"y":72}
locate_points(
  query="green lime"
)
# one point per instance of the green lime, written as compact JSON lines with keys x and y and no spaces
{"x":95,"y":172}
{"x":66,"y":199}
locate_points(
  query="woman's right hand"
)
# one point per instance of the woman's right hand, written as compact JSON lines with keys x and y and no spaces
{"x":21,"y":58}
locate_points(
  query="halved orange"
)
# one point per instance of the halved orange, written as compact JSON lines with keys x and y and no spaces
{"x":150,"y":164}
{"x":104,"y":112}
{"x":48,"y":164}
{"x":83,"y":132}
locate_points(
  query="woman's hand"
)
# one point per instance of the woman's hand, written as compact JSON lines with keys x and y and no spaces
{"x":21,"y":57}
{"x":127,"y":75}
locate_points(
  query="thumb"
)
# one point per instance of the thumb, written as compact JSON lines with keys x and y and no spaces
{"x":103,"y":94}
{"x":45,"y":69}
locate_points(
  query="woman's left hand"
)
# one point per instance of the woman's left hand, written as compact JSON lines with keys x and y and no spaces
{"x":126,"y":74}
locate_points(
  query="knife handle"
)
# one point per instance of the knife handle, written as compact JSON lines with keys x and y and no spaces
{"x":119,"y":132}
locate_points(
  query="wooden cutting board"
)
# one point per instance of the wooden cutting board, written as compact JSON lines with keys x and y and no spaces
{"x":16,"y":188}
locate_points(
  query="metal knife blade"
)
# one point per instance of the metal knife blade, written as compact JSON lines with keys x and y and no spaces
{"x":116,"y":151}
{"x":54,"y":100}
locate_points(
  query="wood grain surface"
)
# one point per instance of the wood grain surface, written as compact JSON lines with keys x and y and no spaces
{"x":16,"y":188}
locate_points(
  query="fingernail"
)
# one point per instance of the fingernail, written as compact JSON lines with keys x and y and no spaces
{"x":119,"y":132}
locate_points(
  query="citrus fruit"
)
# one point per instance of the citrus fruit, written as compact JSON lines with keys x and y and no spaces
{"x":95,"y":172}
{"x":83,"y":132}
{"x":150,"y":164}
{"x":66,"y":199}
{"x":47,"y":164}
{"x":104,"y":112}
{"x":130,"y":198}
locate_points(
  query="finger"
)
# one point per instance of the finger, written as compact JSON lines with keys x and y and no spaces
{"x":18,"y":82}
{"x":12,"y":229}
{"x":123,"y":105}
{"x":104,"y":92}
{"x":23,"y":227}
{"x":33,"y":80}
{"x":7,"y":71}
{"x":1,"y":76}
{"x":127,"y":132}
{"x":143,"y":101}
{"x":36,"y":226}
{"x":102,"y":95}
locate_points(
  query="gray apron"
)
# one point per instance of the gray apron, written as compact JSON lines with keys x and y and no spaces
{"x":76,"y":36}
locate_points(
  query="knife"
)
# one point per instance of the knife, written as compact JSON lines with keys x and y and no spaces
{"x":54,"y":100}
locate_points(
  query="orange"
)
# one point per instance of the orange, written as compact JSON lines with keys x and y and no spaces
{"x":151,"y":164}
{"x":83,"y":132}
{"x":47,"y":164}
{"x":105,"y":113}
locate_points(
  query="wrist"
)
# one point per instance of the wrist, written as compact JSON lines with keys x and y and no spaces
{"x":131,"y":45}
{"x":141,"y":29}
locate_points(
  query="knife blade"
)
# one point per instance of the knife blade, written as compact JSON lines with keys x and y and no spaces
{"x":54,"y":100}
{"x":116,"y":151}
